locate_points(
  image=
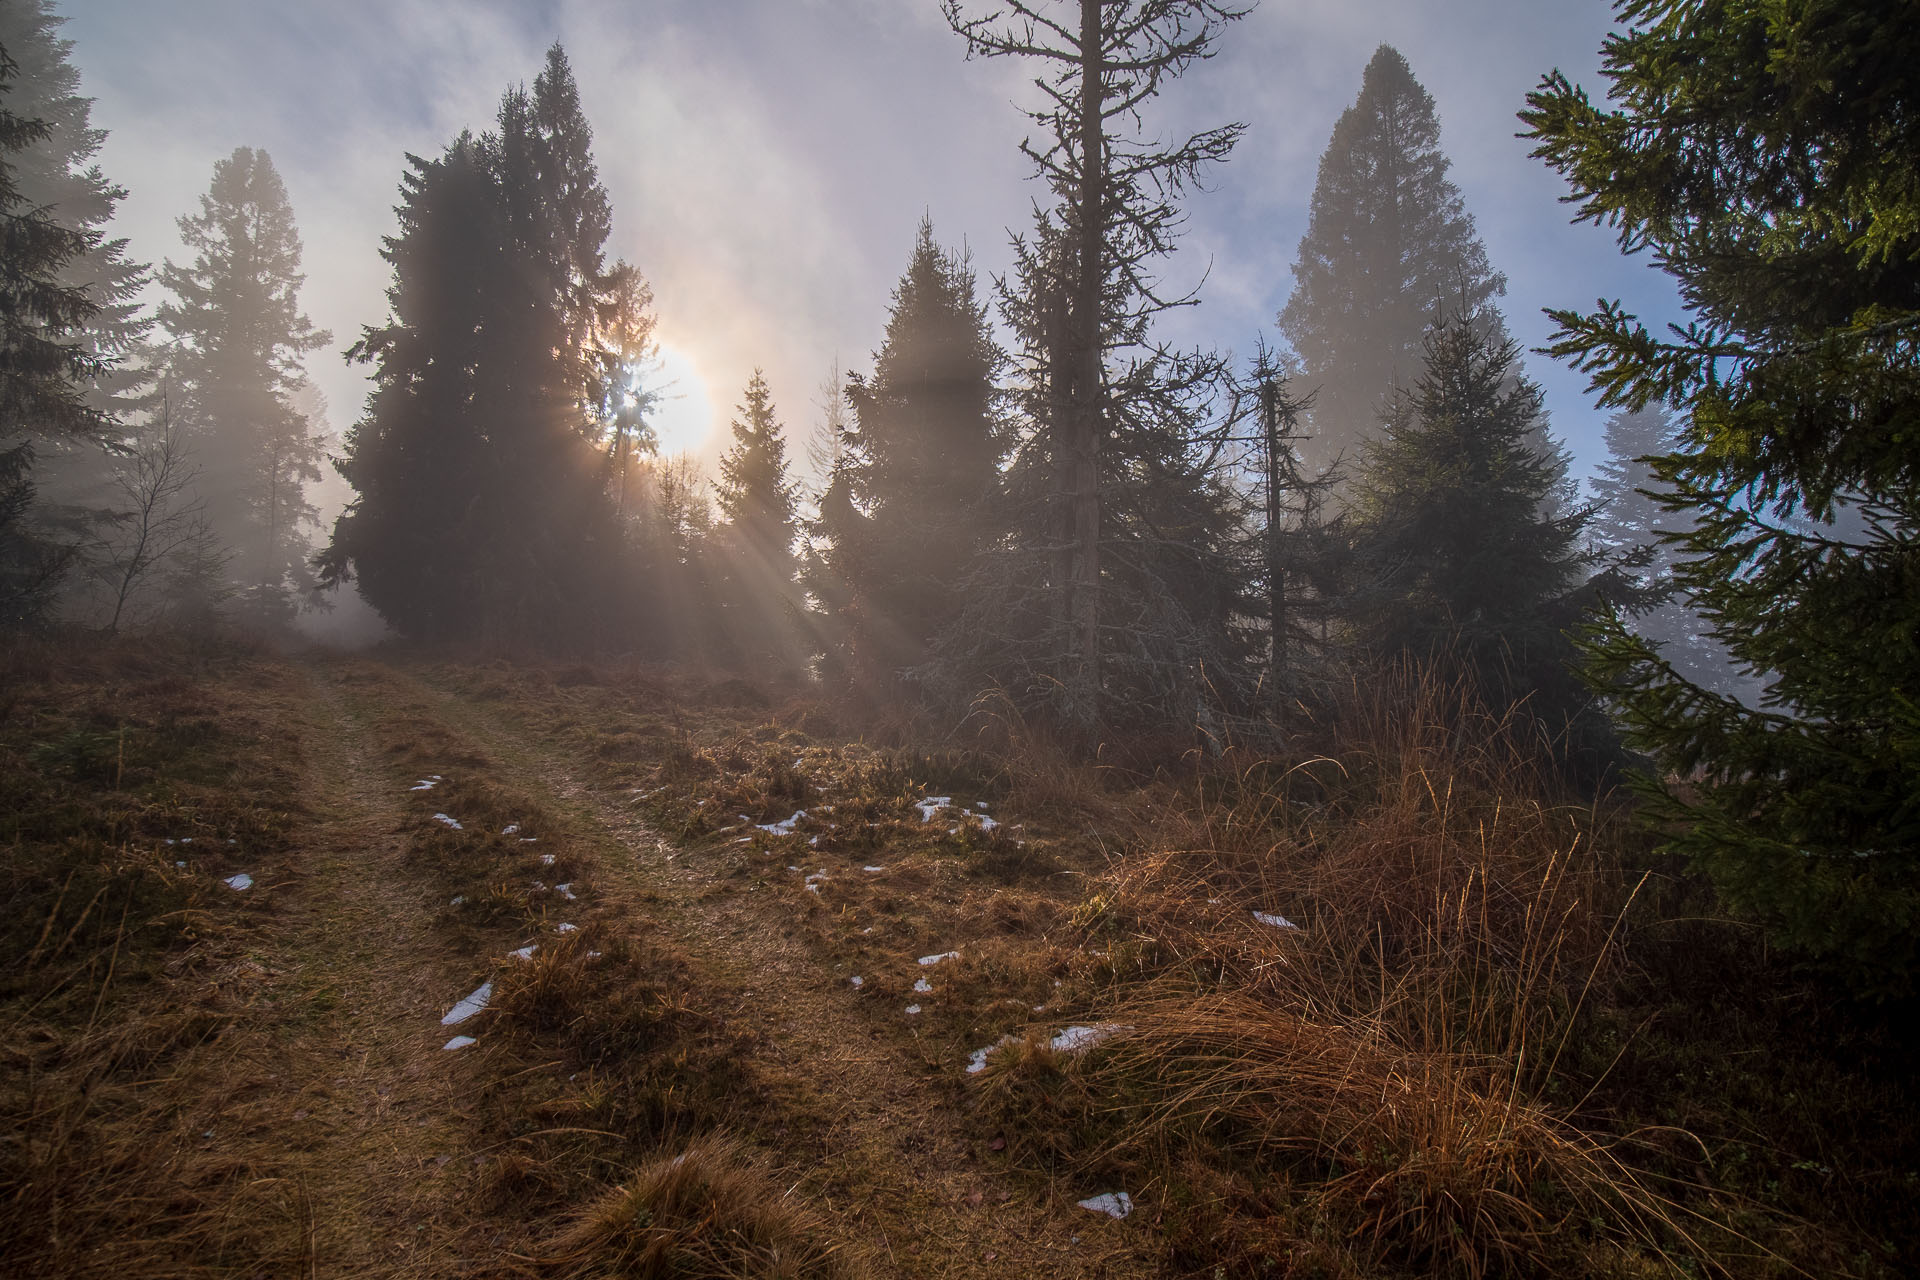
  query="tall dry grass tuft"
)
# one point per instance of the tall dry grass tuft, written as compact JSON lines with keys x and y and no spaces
{"x":708,"y":1213}
{"x":1364,"y":967}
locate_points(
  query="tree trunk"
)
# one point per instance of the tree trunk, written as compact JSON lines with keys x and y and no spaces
{"x":1084,"y":400}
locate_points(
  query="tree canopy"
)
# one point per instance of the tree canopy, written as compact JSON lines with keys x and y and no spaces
{"x":1768,"y":157}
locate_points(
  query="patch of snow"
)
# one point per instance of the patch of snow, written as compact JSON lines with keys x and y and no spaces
{"x":1115,"y":1204}
{"x":529,"y":839}
{"x":1278,"y":922}
{"x":813,"y":842}
{"x":525,"y":953}
{"x":564,"y":927}
{"x":1080,"y":1039}
{"x":932,"y":805}
{"x":452,"y":822}
{"x":791,"y":867}
{"x":546,"y":859}
{"x":981,"y":805}
{"x":986,"y":823}
{"x":470,"y":1006}
{"x":783,"y":828}
{"x":512,"y":828}
{"x":977,"y":1060}
{"x":459,"y":1042}
{"x":179,"y":864}
{"x":186,"y":839}
{"x":811,"y":888}
{"x":816,"y":877}
{"x":936,"y":959}
{"x":857,"y":981}
{"x":239,"y":882}
{"x":566,"y":891}
{"x":456,"y":899}
{"x":913,"y":1008}
{"x":426,"y":784}
{"x":922,"y":987}
{"x":873,"y":868}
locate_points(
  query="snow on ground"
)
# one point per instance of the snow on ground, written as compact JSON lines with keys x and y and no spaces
{"x":933,"y":805}
{"x":425,"y":784}
{"x":873,"y":868}
{"x":566,"y":891}
{"x":857,"y":981}
{"x":452,"y":822}
{"x":456,"y":899}
{"x":512,"y":828}
{"x":1080,"y":1039}
{"x":1115,"y":1204}
{"x":564,"y":927}
{"x":459,"y":1042}
{"x":1278,"y":922}
{"x":241,"y":881}
{"x":783,"y":828}
{"x":470,"y":1006}
{"x":944,"y":955}
{"x":977,"y":1060}
{"x":913,"y":1008}
{"x":546,"y":859}
{"x":525,"y":953}
{"x":922,"y":987}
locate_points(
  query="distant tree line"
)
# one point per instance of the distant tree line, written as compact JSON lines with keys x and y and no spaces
{"x":1061,"y":512}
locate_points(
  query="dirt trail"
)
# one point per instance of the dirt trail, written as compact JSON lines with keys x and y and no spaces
{"x":898,"y":1173}
{"x":346,"y":1090}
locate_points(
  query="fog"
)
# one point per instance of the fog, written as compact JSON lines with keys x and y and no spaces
{"x":768,"y":160}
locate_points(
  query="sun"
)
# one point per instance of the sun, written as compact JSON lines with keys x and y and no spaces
{"x":681,"y":415}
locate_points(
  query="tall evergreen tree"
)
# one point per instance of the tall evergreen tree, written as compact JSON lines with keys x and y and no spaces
{"x":1389,"y":249}
{"x":908,"y":506}
{"x":1769,"y":156}
{"x":1113,"y":605}
{"x":759,"y":503}
{"x":1457,"y":559}
{"x":235,"y":369}
{"x":484,"y":511}
{"x":46,"y":363}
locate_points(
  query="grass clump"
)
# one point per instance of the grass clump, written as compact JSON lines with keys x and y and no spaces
{"x":709,"y":1212}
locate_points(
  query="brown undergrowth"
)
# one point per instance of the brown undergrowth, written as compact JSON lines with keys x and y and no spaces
{"x":134,"y":778}
{"x":1390,"y":1003}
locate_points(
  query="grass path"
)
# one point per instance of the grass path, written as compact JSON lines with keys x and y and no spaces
{"x":345,"y":1088}
{"x":894,"y":1162}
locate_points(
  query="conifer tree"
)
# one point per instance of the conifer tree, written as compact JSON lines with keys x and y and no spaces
{"x":758,"y":595}
{"x":1389,"y":249}
{"x":236,"y":367}
{"x":904,"y":513}
{"x":488,"y":461}
{"x":59,"y":173}
{"x":1113,"y":604}
{"x":1457,"y":559}
{"x":46,"y":363}
{"x":1769,"y":157}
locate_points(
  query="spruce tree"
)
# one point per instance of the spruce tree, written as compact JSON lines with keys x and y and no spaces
{"x":46,"y":363}
{"x":235,"y":369}
{"x":59,"y":173}
{"x":759,"y":505}
{"x":1769,"y":157}
{"x":904,"y":512}
{"x":488,"y":461}
{"x":1112,"y":603}
{"x":1389,"y":249}
{"x":1457,"y":561}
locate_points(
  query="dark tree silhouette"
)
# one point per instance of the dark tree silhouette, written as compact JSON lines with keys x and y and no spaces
{"x":1389,"y":249}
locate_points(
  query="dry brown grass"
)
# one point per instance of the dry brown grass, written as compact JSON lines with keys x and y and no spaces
{"x":709,"y":1212}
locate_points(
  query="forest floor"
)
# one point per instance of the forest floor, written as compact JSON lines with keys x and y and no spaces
{"x":764,"y":996}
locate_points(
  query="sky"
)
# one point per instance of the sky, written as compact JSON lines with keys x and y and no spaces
{"x":769,"y":160}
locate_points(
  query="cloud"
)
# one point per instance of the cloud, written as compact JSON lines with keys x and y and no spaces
{"x":769,"y":159}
